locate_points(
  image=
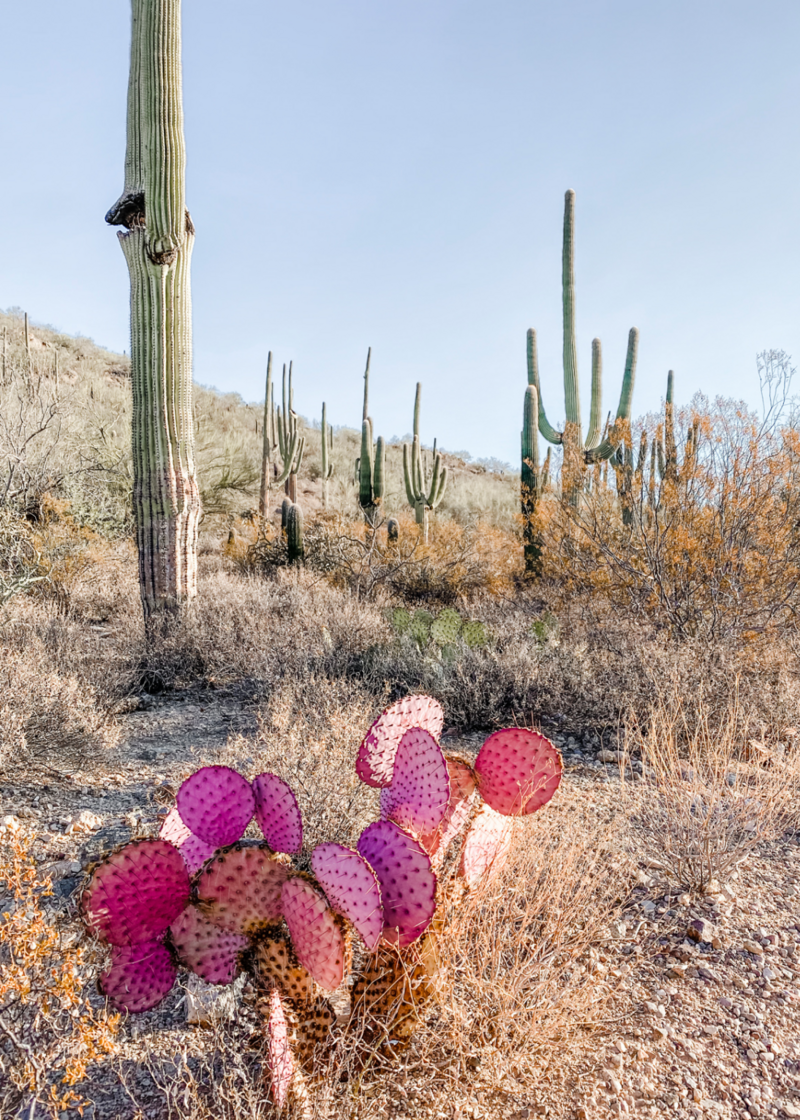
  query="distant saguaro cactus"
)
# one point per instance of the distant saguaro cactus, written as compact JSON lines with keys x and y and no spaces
{"x":157,"y":244}
{"x":270,"y":471}
{"x":533,"y":480}
{"x":423,"y":493}
{"x":370,"y":467}
{"x":578,"y":452}
{"x":291,"y":442}
{"x":326,"y":436}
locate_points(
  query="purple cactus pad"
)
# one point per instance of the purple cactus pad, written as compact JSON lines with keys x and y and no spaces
{"x":352,"y":888}
{"x":419,"y":791}
{"x":136,"y":893}
{"x":486,"y":846}
{"x":408,"y":884}
{"x":518,"y":771}
{"x":281,"y":1063}
{"x":316,"y":935}
{"x":278,"y":814}
{"x":139,"y":977}
{"x":375,"y":761}
{"x":240,"y":889}
{"x":457,"y":814}
{"x":195,"y":851}
{"x":212,"y":953}
{"x":216,"y":804}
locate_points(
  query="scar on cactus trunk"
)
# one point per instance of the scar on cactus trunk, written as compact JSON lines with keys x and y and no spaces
{"x":579,"y":452}
{"x":157,"y":245}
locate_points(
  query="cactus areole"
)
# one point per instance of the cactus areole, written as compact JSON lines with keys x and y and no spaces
{"x":157,"y":243}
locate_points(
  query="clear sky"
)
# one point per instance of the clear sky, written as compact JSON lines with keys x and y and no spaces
{"x":392,"y":174}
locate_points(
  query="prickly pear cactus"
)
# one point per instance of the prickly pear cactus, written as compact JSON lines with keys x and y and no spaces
{"x":518,"y":771}
{"x":316,"y":932}
{"x":418,"y":794}
{"x":401,"y":620}
{"x":375,"y":761}
{"x":195,"y":851}
{"x":352,"y":888}
{"x":139,"y":977}
{"x":446,"y":627}
{"x":486,"y":846}
{"x":408,"y":884}
{"x":475,"y":634}
{"x":421,"y":623}
{"x":214,"y":954}
{"x":278,"y":813}
{"x":240,"y":890}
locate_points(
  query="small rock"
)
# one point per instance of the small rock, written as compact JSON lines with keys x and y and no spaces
{"x":207,"y":1004}
{"x":648,"y":906}
{"x":85,"y":821}
{"x":607,"y":756}
{"x":740,"y":982}
{"x":659,"y":1033}
{"x":768,"y":974}
{"x":11,"y":824}
{"x":752,"y":947}
{"x":700,"y":929}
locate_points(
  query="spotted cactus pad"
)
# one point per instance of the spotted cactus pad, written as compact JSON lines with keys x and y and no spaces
{"x":408,"y":884}
{"x":486,"y":846}
{"x":518,"y":771}
{"x":212,"y":953}
{"x":136,"y":893}
{"x":195,"y":851}
{"x":278,"y":967}
{"x":457,"y":814}
{"x":139,"y":977}
{"x":447,"y":627}
{"x":216,"y":804}
{"x":316,"y":935}
{"x":278,"y":813}
{"x":352,"y":888}
{"x":419,"y":791}
{"x":280,"y":1053}
{"x":375,"y":761}
{"x":240,"y":890}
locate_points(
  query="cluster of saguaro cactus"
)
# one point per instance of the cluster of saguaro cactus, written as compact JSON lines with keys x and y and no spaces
{"x":580,"y":451}
{"x":424,"y":492}
{"x":203,"y":898}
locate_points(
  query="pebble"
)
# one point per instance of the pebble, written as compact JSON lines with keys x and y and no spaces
{"x":752,"y":947}
{"x":700,"y":929}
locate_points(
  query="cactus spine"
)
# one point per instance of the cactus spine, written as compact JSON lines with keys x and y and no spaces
{"x":533,"y":480}
{"x":371,"y":465}
{"x":326,"y":434}
{"x":579,"y":452}
{"x":424,"y":493}
{"x":157,"y":244}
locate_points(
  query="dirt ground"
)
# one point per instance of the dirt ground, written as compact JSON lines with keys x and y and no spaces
{"x":705,"y":1016}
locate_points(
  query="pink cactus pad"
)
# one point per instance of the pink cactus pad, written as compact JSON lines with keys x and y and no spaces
{"x":408,"y":884}
{"x":136,"y":893}
{"x":216,"y":804}
{"x":209,"y":951}
{"x":375,"y":761}
{"x":139,"y":977}
{"x":195,"y":851}
{"x":280,"y":1053}
{"x":486,"y":846}
{"x":518,"y":771}
{"x":419,"y":791}
{"x":352,"y":888}
{"x":316,"y":935}
{"x":457,"y":814}
{"x":278,"y":813}
{"x":240,"y":890}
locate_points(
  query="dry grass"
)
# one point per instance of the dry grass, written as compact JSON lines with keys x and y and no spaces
{"x":711,"y":794}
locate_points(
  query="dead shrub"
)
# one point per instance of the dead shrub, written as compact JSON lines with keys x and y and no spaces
{"x":710,"y":794}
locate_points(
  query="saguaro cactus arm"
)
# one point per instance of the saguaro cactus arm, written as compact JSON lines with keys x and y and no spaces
{"x":545,"y":427}
{"x":606,"y":448}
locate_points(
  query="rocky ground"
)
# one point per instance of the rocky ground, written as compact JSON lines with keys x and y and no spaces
{"x":709,"y":987}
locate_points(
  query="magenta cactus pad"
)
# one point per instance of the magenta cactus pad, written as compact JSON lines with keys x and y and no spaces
{"x":518,"y":771}
{"x":281,"y":1063}
{"x":278,"y":813}
{"x":457,"y":814}
{"x":486,"y":846}
{"x":352,"y":888}
{"x":240,"y":889}
{"x":419,"y":791}
{"x":139,"y":977}
{"x":216,"y":804}
{"x":136,"y":893}
{"x":195,"y":851}
{"x":211,"y":952}
{"x":375,"y":761}
{"x":408,"y":884}
{"x":316,"y":935}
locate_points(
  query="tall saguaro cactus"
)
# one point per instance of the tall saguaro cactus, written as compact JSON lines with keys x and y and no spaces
{"x":291,"y":441}
{"x":423,"y":493}
{"x":533,"y":480}
{"x":371,"y":464}
{"x":579,"y":452}
{"x":157,"y":244}
{"x":326,"y":435}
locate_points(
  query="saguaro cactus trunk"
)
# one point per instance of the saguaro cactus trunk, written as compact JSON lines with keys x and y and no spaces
{"x":157,"y":244}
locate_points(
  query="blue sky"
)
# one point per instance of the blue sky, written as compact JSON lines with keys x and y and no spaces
{"x":392,"y":174}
